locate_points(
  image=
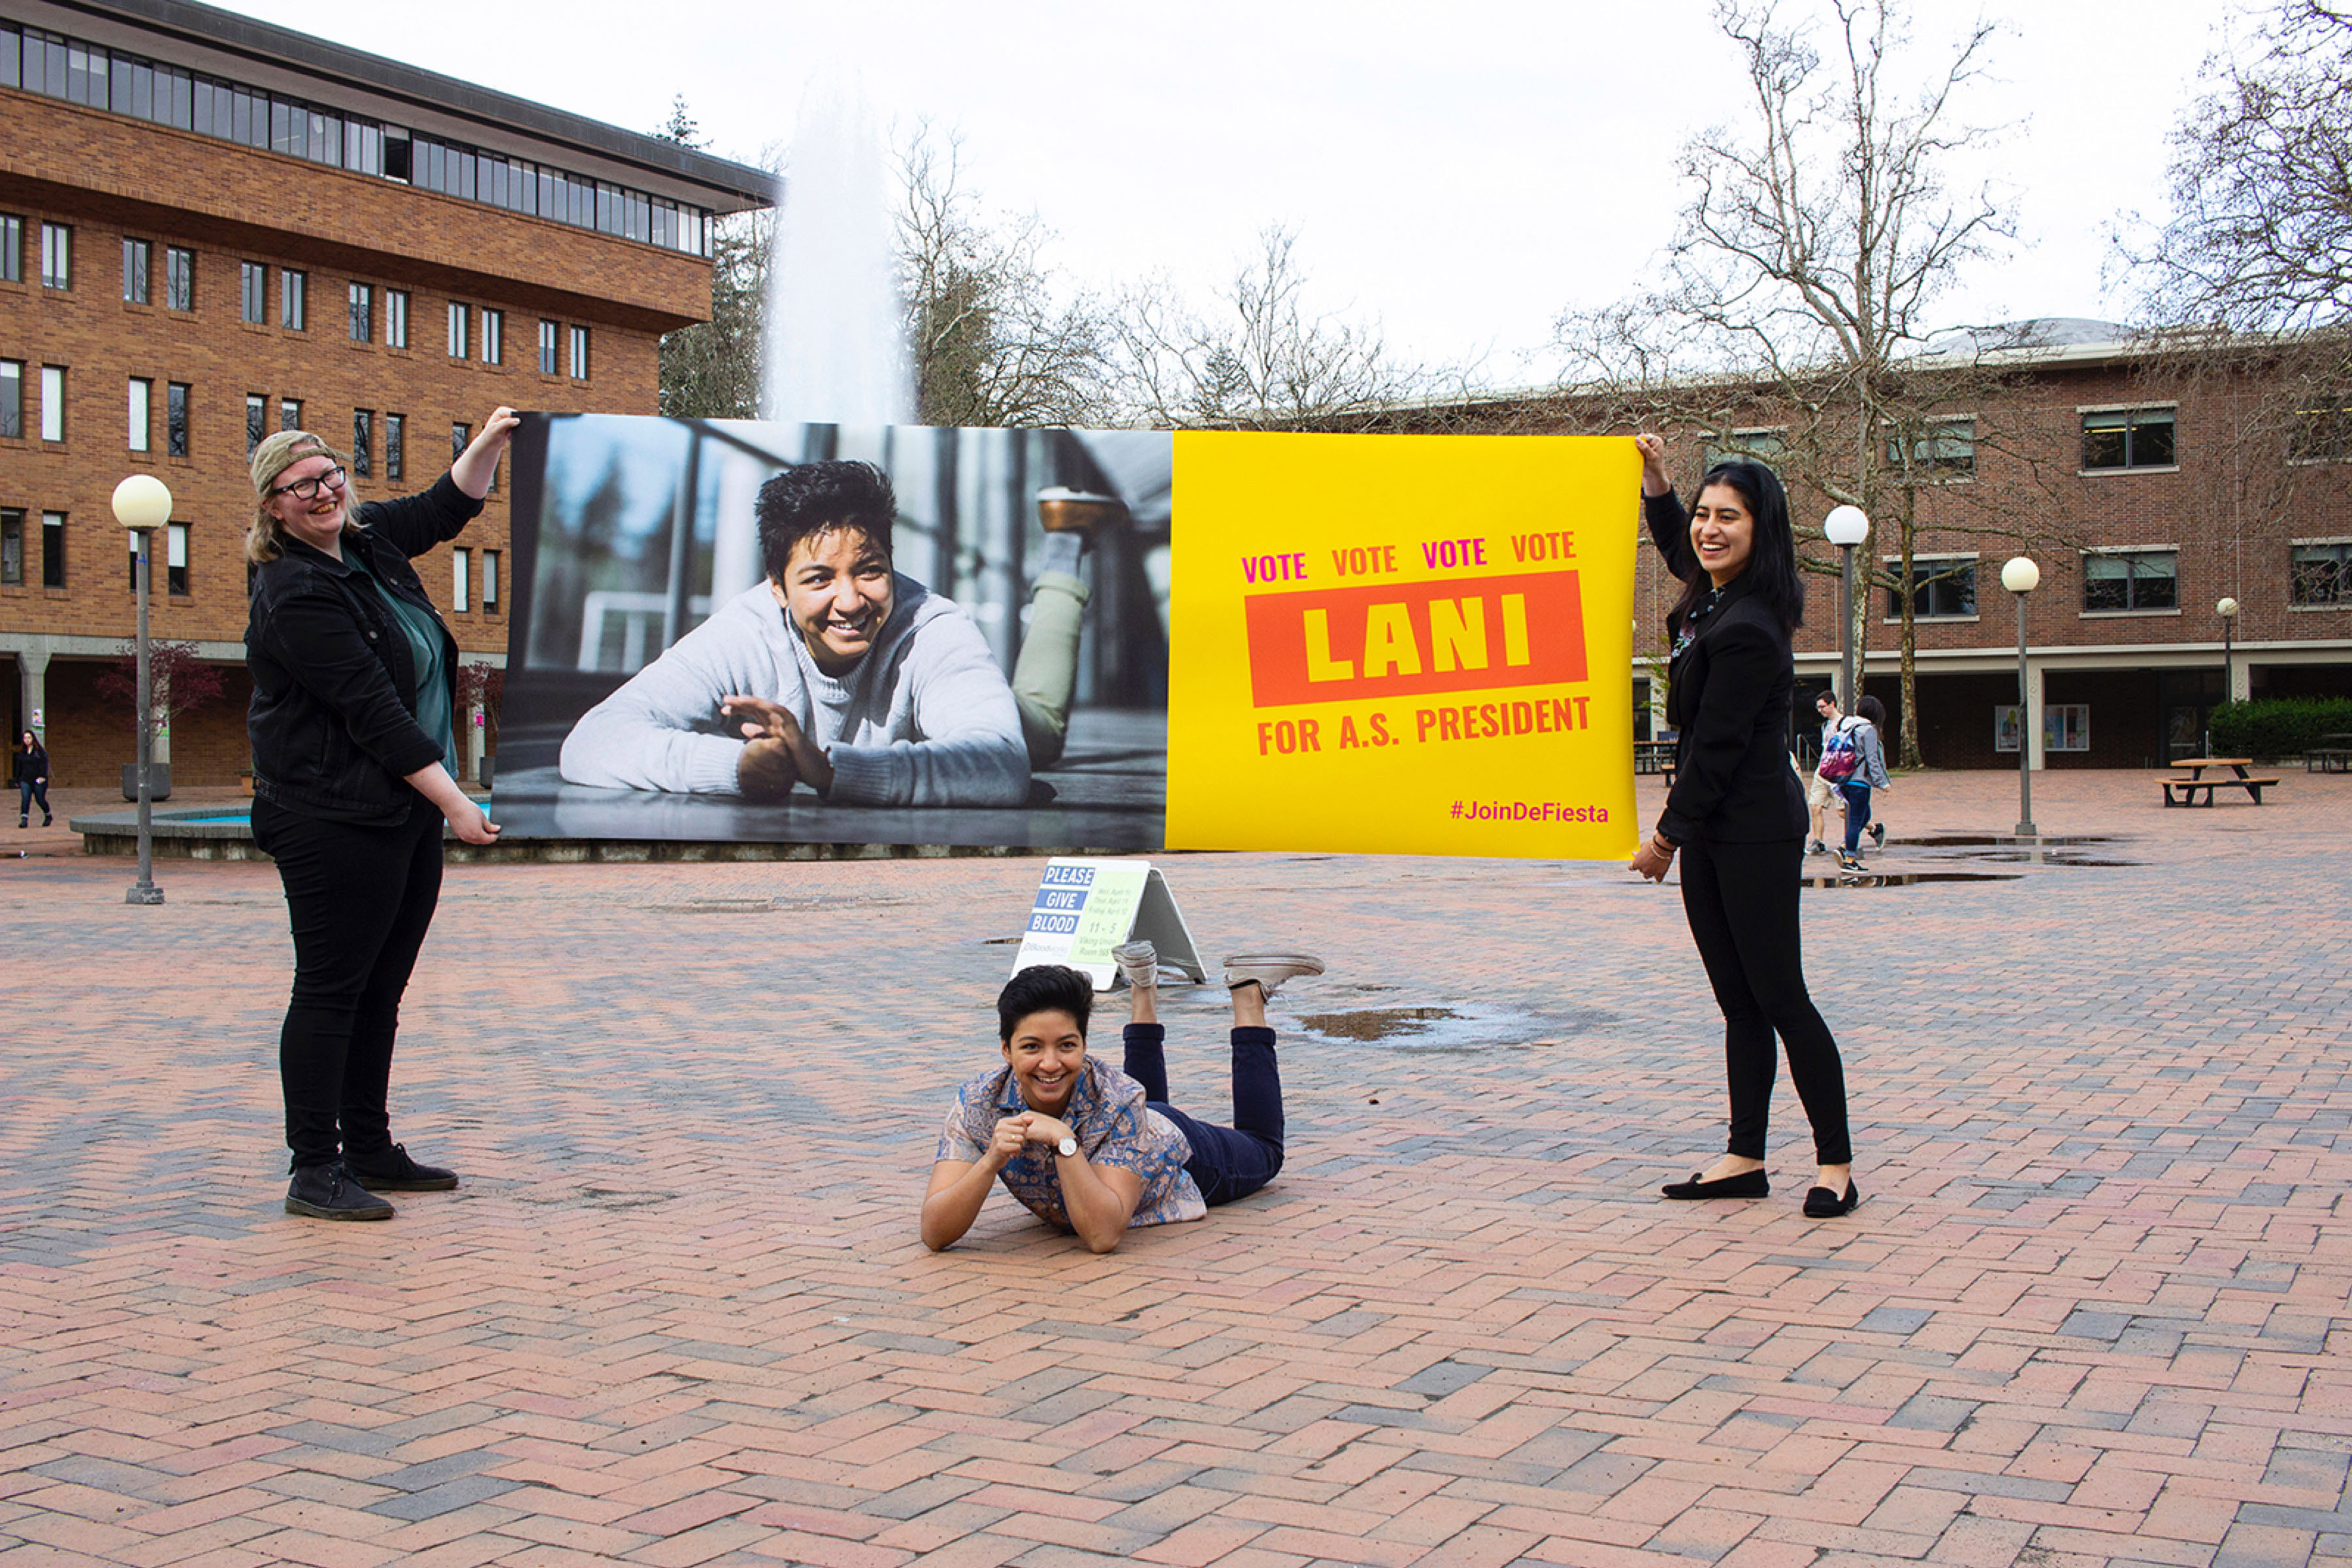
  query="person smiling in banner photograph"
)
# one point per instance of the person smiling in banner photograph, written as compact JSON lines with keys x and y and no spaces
{"x":1736,"y":811}
{"x":840,"y":673}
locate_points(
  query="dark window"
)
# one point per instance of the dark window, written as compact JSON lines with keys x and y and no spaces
{"x":138,"y":270}
{"x":257,"y":420}
{"x":2131,"y":580}
{"x":179,"y":279}
{"x":1941,"y":448}
{"x":12,"y":549}
{"x":53,"y":550}
{"x":12,"y":248}
{"x":289,"y":414}
{"x":549,"y":345}
{"x":395,"y":441}
{"x":253,"y":292}
{"x":363,"y":312}
{"x":175,"y":419}
{"x":1938,"y":588}
{"x":175,"y":558}
{"x":56,"y":255}
{"x":460,"y":437}
{"x":2322,"y":574}
{"x":363,"y":441}
{"x":12,"y":398}
{"x":2132,"y":438}
{"x":293,"y":299}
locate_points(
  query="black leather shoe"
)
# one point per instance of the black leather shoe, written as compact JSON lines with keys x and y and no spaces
{"x":327,"y":1192}
{"x":394,"y":1172}
{"x":1747,"y":1185}
{"x":1822,"y":1204}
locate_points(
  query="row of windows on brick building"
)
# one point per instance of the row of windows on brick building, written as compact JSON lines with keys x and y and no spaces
{"x":2119,"y":439}
{"x":371,"y":314}
{"x":475,"y":576}
{"x":178,"y":421}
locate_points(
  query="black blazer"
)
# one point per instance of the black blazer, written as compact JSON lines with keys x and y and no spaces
{"x":333,"y":718}
{"x":1728,"y":694}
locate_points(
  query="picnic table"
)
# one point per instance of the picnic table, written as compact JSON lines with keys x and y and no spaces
{"x":2183,"y":791}
{"x":2336,"y":757}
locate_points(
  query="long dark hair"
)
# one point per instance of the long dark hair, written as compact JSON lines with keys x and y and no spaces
{"x":1772,"y":558}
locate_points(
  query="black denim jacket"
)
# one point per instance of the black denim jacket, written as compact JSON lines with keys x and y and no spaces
{"x":333,"y":718}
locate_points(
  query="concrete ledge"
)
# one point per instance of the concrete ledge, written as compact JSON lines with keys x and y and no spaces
{"x":184,"y":834}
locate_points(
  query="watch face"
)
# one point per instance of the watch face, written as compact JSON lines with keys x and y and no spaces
{"x":1066,"y":1147}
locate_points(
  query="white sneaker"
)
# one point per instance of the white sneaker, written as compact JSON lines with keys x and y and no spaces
{"x":1138,"y":964}
{"x":1268,"y":970}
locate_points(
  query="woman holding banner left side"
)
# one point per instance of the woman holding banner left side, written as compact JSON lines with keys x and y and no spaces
{"x":1736,"y":811}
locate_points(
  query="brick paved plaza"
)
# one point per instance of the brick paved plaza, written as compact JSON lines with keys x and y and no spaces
{"x":2094,"y":1309}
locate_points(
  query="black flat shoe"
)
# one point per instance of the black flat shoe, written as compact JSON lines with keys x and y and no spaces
{"x":1822,"y":1204}
{"x":1747,"y":1185}
{"x":392,"y":1171}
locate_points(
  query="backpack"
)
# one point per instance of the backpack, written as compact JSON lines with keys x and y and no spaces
{"x":1840,"y":756}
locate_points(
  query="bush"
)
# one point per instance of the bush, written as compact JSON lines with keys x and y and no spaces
{"x":2282,"y":726}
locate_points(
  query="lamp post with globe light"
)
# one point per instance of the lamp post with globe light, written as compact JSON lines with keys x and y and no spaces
{"x":1846,"y":526}
{"x":142,"y":505}
{"x":2227,"y":610}
{"x":2020,"y":576}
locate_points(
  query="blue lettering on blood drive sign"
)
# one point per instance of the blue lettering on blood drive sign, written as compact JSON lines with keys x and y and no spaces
{"x":1061,"y":901}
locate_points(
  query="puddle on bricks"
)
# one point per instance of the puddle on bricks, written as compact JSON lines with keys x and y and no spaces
{"x":1447,"y":1027}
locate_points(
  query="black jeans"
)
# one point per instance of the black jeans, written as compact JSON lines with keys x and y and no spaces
{"x":1741,"y":902}
{"x":360,"y":900}
{"x":27,"y":792}
{"x":1227,"y":1163}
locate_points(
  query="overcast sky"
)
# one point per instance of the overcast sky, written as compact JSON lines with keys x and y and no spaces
{"x":1463,"y":173}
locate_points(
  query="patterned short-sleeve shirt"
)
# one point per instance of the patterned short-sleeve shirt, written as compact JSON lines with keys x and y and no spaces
{"x":1113,"y":1126}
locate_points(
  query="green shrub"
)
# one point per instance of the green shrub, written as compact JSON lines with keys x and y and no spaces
{"x":2281,"y":726}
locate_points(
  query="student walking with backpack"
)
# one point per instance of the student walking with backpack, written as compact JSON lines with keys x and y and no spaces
{"x":1864,"y":761}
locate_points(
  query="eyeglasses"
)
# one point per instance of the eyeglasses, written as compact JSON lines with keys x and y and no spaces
{"x":308,"y":489}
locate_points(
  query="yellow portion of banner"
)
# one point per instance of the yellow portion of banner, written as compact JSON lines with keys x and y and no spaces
{"x":1403,"y":644}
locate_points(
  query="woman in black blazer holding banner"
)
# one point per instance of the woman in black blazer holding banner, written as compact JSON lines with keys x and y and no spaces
{"x":1736,"y":811}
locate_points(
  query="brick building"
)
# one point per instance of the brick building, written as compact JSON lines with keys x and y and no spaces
{"x":2147,"y":486}
{"x":211,"y":228}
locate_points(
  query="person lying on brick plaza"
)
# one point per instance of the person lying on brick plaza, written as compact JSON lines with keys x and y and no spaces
{"x":844,"y":675}
{"x":1096,"y":1152}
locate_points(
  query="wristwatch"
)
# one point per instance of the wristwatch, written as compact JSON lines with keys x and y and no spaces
{"x":1066,"y":1147}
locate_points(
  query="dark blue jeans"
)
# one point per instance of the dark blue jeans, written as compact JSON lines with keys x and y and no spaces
{"x":1857,"y":812}
{"x":1227,"y":1163}
{"x":27,"y":792}
{"x":360,"y":900}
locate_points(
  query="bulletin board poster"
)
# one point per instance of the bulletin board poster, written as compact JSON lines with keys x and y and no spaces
{"x":1404,"y":644}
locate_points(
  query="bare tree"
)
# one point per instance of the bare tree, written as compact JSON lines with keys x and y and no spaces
{"x":1260,"y":359}
{"x":2249,"y":282}
{"x":1791,"y":320}
{"x":2260,"y":236}
{"x":993,"y":340}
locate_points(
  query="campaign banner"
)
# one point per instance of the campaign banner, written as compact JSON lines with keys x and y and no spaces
{"x":1107,"y":642}
{"x":1403,"y":644}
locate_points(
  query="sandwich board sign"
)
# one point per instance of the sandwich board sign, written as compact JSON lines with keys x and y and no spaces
{"x":1085,"y":907}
